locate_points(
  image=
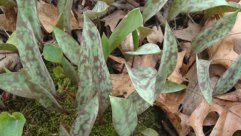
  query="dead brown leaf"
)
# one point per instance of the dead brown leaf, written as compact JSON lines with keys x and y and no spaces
{"x":9,"y":60}
{"x":189,"y":33}
{"x":156,"y":36}
{"x":113,"y":19}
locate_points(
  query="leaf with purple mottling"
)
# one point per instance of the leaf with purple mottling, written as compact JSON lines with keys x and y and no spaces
{"x":229,"y":78}
{"x":93,"y":72}
{"x":204,"y":80}
{"x":151,"y":8}
{"x":86,"y":119}
{"x":99,"y":10}
{"x":143,"y":79}
{"x":214,"y":33}
{"x":124,"y":115}
{"x":168,"y":58}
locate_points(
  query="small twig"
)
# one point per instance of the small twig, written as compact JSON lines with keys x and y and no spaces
{"x":133,"y":3}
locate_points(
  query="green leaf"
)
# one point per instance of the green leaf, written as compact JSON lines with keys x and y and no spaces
{"x":214,"y":33}
{"x":138,"y":102}
{"x":86,"y":119}
{"x":99,"y":10}
{"x":7,"y":3}
{"x":12,"y":39}
{"x":143,"y":79}
{"x":204,"y":80}
{"x":127,"y":25}
{"x":149,"y":132}
{"x":68,"y":45}
{"x":8,"y":47}
{"x":11,"y":125}
{"x":171,"y":87}
{"x":53,"y":53}
{"x":135,"y":38}
{"x":70,"y":71}
{"x":64,"y":7}
{"x":124,"y":115}
{"x":151,"y":8}
{"x":93,"y":72}
{"x":105,"y":45}
{"x":229,"y":78}
{"x":185,"y":6}
{"x":18,"y":84}
{"x":58,"y":72}
{"x":168,"y":58}
{"x":148,"y":48}
{"x":28,"y":37}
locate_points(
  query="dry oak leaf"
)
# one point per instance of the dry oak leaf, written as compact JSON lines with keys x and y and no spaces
{"x":234,"y":96}
{"x":229,"y":120}
{"x":156,"y":36}
{"x":48,"y":16}
{"x":9,"y":60}
{"x":189,"y":33}
{"x":113,"y":19}
{"x":121,"y":85}
{"x":227,"y":50}
{"x":176,"y":76}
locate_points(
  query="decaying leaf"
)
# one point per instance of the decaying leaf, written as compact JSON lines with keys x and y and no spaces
{"x":156,"y":36}
{"x":113,"y":19}
{"x":124,"y":115}
{"x":9,"y":60}
{"x":189,"y":33}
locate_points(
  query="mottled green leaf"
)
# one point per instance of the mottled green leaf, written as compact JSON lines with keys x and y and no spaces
{"x":128,"y":24}
{"x":68,"y":45}
{"x":28,"y":37}
{"x":53,"y":53}
{"x":7,"y":3}
{"x":143,"y":79}
{"x":151,"y":8}
{"x":124,"y":115}
{"x":229,"y":78}
{"x":15,"y":83}
{"x":8,"y":47}
{"x":168,"y":58}
{"x":93,"y":72}
{"x":214,"y":33}
{"x":148,"y":48}
{"x":86,"y":119}
{"x":149,"y":132}
{"x":138,"y":102}
{"x":64,"y":7}
{"x":204,"y":80}
{"x":11,"y":125}
{"x":135,"y":38}
{"x":185,"y":6}
{"x":70,"y":71}
{"x":171,"y":87}
{"x":99,"y":10}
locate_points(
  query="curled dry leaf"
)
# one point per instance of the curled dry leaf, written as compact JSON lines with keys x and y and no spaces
{"x":156,"y":36}
{"x":223,"y":52}
{"x":9,"y":60}
{"x":113,"y":19}
{"x":121,"y":85}
{"x":189,"y":33}
{"x":234,"y":96}
{"x":228,"y":123}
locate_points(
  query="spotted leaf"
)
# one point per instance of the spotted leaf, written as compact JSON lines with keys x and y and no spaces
{"x":93,"y":72}
{"x":229,"y":78}
{"x":99,"y":10}
{"x":86,"y":119}
{"x":185,"y":6}
{"x":124,"y":116}
{"x":143,"y":79}
{"x":151,"y":8}
{"x":28,"y":37}
{"x":168,"y":58}
{"x":204,"y":80}
{"x":148,"y":48}
{"x":214,"y":33}
{"x":68,"y":45}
